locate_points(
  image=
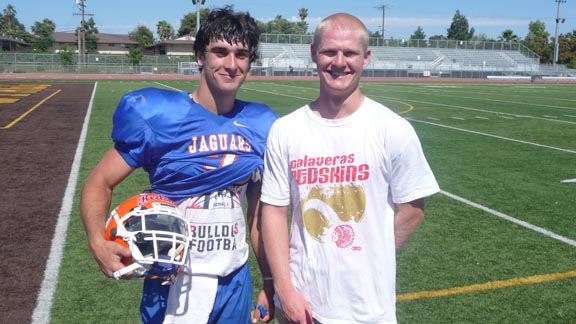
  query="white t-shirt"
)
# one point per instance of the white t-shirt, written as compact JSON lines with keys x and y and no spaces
{"x":342,"y":178}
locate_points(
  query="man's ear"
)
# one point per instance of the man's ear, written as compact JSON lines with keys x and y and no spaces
{"x":367,"y":57}
{"x":200,"y":60}
{"x":313,"y":53}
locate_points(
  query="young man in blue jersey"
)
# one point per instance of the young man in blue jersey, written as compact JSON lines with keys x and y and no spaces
{"x":204,"y":150}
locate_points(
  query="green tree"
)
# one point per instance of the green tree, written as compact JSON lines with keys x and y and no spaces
{"x":164,"y":30}
{"x":459,"y":29}
{"x":537,"y":41}
{"x":482,"y":37}
{"x":188,"y":22}
{"x":508,"y":36}
{"x":567,"y":49}
{"x":143,"y":35}
{"x":91,"y":30}
{"x":135,"y":55}
{"x":374,"y":34}
{"x":66,"y":54}
{"x":418,"y":34}
{"x":11,"y":26}
{"x":10,"y":23}
{"x":280,"y":25}
{"x":374,"y":38}
{"x":303,"y":13}
{"x":417,"y":39}
{"x":438,"y":38}
{"x":43,"y":32}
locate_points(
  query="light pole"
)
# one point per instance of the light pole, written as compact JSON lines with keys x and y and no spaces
{"x":558,"y":21}
{"x":82,"y":32}
{"x":198,"y":3}
{"x":383,"y":8}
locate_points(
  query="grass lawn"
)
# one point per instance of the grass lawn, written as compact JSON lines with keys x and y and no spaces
{"x":496,"y":246}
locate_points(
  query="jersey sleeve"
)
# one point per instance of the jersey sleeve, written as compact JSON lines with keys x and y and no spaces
{"x":130,"y":132}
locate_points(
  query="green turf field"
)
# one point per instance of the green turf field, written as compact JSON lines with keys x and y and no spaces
{"x":498,"y":245}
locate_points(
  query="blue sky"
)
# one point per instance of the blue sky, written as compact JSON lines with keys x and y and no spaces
{"x":401,"y":17}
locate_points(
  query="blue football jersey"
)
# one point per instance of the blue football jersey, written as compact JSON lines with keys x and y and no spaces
{"x":186,"y":149}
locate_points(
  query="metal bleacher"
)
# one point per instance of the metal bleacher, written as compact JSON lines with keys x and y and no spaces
{"x":284,"y":55}
{"x":425,"y":56}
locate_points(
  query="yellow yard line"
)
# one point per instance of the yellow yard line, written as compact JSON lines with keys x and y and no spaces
{"x":8,"y":100}
{"x":487,"y":286}
{"x":16,"y":95}
{"x":30,"y":110}
{"x":410,"y":107}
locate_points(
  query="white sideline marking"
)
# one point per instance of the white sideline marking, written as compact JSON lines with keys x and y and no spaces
{"x":495,"y":136}
{"x":245,"y":88}
{"x":442,"y":86}
{"x":458,"y":118}
{"x":168,"y":86}
{"x":276,"y":94}
{"x":41,"y":314}
{"x":511,"y":219}
{"x":485,"y":118}
{"x":487,"y":111}
{"x":569,"y":181}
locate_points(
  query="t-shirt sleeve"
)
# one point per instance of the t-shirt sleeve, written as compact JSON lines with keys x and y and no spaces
{"x":130,"y":131}
{"x":411,"y":177}
{"x":276,"y":179}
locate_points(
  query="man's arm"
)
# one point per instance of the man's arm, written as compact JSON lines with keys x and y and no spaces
{"x":266,"y":296}
{"x":275,"y":237}
{"x":95,"y":206}
{"x":407,"y":219}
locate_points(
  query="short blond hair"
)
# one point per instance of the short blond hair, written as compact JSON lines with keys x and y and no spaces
{"x":342,"y":21}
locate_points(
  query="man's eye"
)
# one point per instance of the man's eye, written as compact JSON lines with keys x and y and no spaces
{"x":219,"y":51}
{"x":328,"y":53}
{"x":242,"y":55}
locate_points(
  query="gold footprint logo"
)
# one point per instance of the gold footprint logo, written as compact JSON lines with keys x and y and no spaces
{"x":324,"y":209}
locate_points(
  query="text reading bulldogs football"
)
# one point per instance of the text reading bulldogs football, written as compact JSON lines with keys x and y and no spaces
{"x":207,"y":238}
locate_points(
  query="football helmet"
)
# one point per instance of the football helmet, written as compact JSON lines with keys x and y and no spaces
{"x":152,"y":227}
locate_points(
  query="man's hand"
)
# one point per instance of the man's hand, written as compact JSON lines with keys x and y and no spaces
{"x":264,"y":304}
{"x":296,"y":308}
{"x":109,"y":256}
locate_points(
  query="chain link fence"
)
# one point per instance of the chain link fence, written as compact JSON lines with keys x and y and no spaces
{"x":95,"y":63}
{"x":16,"y":62}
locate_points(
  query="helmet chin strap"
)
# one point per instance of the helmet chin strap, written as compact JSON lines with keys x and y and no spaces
{"x":140,"y":270}
{"x":133,"y":267}
{"x":174,"y":254}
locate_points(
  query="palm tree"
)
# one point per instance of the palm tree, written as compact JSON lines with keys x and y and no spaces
{"x":508,"y":36}
{"x":164,"y":30}
{"x":10,"y":23}
{"x":303,"y":13}
{"x":9,"y":15}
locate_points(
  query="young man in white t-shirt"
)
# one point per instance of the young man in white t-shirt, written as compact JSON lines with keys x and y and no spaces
{"x":355,"y":177}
